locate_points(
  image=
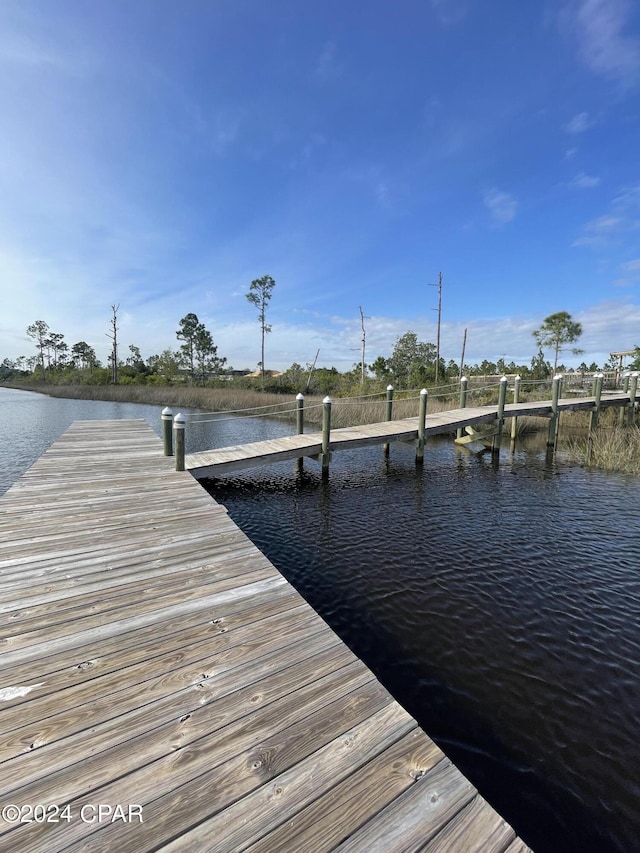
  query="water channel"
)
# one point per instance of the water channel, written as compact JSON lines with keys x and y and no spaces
{"x":499,"y":603}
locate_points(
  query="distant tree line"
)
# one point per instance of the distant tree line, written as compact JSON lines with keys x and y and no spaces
{"x":412,"y":363}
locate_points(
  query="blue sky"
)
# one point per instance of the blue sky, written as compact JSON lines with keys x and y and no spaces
{"x":160,"y":155}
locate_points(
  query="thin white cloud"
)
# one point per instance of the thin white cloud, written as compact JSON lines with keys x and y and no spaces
{"x":584,"y":182}
{"x":619,"y":224}
{"x":600,"y":232}
{"x":570,"y":153}
{"x":631,"y":267}
{"x":501,"y":205}
{"x":578,"y":124}
{"x":327,"y":67}
{"x":450,"y":12}
{"x":598,"y":29}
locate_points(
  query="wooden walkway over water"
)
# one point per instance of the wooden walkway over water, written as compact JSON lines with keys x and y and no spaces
{"x":226,"y":460}
{"x":162,"y":687}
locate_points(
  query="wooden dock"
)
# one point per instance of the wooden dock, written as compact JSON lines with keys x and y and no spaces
{"x":163,"y":687}
{"x":226,"y":460}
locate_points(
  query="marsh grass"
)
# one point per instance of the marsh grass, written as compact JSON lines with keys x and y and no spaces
{"x":612,"y":449}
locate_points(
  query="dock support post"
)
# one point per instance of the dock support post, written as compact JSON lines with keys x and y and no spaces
{"x":552,"y":438}
{"x":625,"y":390}
{"x":595,"y":414}
{"x":464,"y":385}
{"x":167,"y":436}
{"x":389,"y":413}
{"x":300,"y":413}
{"x":300,"y":424}
{"x":502,"y":398}
{"x":178,"y":435}
{"x":516,"y":399}
{"x":325,"y":457}
{"x":422,"y":417}
{"x":633,"y":387}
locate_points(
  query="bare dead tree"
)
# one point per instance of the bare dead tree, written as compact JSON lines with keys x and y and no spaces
{"x":113,"y":336}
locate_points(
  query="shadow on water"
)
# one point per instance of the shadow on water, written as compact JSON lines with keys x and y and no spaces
{"x":498,"y":602}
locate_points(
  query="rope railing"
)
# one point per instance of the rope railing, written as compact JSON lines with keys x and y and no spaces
{"x":178,"y":423}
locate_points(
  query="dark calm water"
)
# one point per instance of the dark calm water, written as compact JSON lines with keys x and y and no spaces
{"x":499,"y":603}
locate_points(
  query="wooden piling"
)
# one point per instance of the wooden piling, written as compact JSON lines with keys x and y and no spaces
{"x":552,"y":439}
{"x":516,"y":399}
{"x":595,"y":412}
{"x":502,"y":398}
{"x":464,"y":387}
{"x":300,"y":413}
{"x":633,"y":387}
{"x":625,"y":389}
{"x":167,"y":433}
{"x":300,"y":425}
{"x":422,"y":418}
{"x":325,"y":456}
{"x":389,"y":414}
{"x":178,"y":439}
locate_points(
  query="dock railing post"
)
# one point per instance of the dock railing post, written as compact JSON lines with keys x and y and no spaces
{"x":516,"y":399}
{"x":178,"y":439}
{"x":552,"y":438}
{"x":326,"y":434}
{"x":167,"y":434}
{"x":300,"y":413}
{"x":464,"y":387}
{"x":502,"y":399}
{"x":633,"y":387}
{"x":595,"y":412}
{"x":422,"y":417}
{"x":300,"y":424}
{"x":625,"y":390}
{"x":389,"y":413}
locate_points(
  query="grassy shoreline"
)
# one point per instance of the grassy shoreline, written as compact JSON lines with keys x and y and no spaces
{"x":613,"y":448}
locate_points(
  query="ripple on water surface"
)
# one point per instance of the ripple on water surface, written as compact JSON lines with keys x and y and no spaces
{"x":499,"y":603}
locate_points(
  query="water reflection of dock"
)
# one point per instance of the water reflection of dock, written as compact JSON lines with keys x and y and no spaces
{"x":164,"y":687}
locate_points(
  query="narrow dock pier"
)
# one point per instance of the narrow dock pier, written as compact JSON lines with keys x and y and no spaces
{"x":227,"y":460}
{"x":163,"y":687}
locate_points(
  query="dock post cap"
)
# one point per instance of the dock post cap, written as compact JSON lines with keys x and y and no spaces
{"x":167,"y":413}
{"x":423,"y":391}
{"x":463,"y":379}
{"x":517,"y":376}
{"x":389,"y":387}
{"x":558,"y":376}
{"x":503,"y":379}
{"x":179,"y":421}
{"x":300,"y":396}
{"x":327,"y":399}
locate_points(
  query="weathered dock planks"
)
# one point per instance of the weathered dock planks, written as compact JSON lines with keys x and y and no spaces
{"x":152,"y":658}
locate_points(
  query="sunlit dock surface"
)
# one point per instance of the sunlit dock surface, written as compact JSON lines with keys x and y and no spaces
{"x":164,"y":687}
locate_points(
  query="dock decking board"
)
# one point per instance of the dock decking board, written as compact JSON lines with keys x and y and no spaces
{"x":150,"y":654}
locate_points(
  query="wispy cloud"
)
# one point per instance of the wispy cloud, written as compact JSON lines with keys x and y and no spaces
{"x":630,"y":274}
{"x":600,"y":232}
{"x":579,"y":123}
{"x":598,"y":29}
{"x":618,"y":224}
{"x":584,"y":182}
{"x":328,"y":67}
{"x":501,"y":205}
{"x":450,"y":12}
